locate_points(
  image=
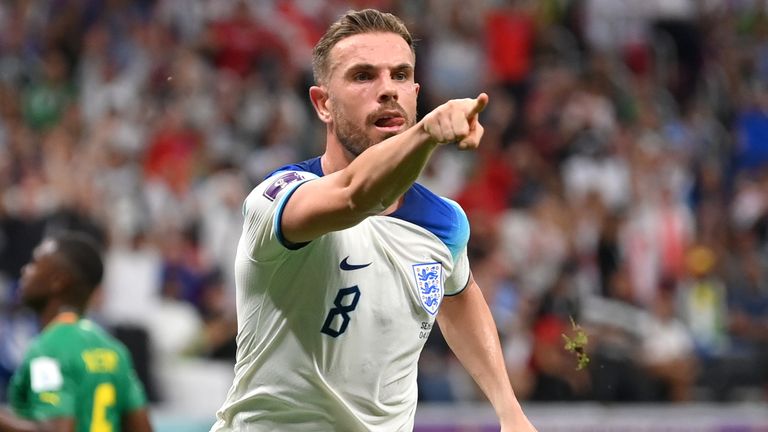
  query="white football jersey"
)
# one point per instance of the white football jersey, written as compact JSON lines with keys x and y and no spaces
{"x":329,"y":332}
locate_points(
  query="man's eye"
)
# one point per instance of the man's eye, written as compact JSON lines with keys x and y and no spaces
{"x":400,"y":76}
{"x":362,"y":76}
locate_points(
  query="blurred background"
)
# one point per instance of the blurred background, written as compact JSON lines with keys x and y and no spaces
{"x":622,"y":184}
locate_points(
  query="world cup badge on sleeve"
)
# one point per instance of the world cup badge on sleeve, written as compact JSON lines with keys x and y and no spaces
{"x":429,"y":282}
{"x":280,"y":183}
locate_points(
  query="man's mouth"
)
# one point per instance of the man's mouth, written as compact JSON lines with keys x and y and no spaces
{"x":389,"y":121}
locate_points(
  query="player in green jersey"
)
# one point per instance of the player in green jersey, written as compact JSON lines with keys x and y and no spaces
{"x":75,"y":377}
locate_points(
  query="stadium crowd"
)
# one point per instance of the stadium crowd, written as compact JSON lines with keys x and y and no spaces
{"x":622,"y":183}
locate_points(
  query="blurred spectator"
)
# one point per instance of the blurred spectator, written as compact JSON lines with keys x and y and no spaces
{"x":667,"y":349}
{"x":217,"y":339}
{"x":592,"y":168}
{"x":455,"y":54}
{"x":555,"y":369}
{"x":108,"y":82}
{"x":535,"y":244}
{"x":21,"y":225}
{"x":747,"y":315}
{"x":752,"y":128}
{"x":239,"y":43}
{"x":47,"y":97}
{"x":614,"y":323}
{"x":175,"y":324}
{"x":132,"y":281}
{"x":489,"y":187}
{"x":703,"y":301}
{"x":510,"y":38}
{"x":220,"y":197}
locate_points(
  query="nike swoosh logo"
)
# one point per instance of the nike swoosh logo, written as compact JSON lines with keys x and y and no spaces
{"x":344,"y":265}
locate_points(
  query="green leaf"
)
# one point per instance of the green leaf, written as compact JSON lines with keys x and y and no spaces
{"x":577,"y":344}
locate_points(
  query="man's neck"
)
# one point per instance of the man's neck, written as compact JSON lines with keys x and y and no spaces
{"x":57,"y":312}
{"x":335,"y":158}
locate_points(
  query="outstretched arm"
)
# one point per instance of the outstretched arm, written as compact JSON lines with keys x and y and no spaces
{"x":467,"y":325}
{"x":381,"y":174}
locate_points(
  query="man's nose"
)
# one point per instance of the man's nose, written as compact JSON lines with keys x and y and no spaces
{"x":387,"y":89}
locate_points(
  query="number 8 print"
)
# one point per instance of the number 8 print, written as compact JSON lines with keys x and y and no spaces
{"x":342,"y":310}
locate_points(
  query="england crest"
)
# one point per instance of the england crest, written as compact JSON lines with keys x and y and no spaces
{"x":429,"y":283}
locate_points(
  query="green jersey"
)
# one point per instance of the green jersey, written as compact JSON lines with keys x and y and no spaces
{"x":77,"y":370}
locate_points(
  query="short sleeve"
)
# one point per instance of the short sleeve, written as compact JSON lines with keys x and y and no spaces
{"x":262,"y":235}
{"x":52,"y":389}
{"x":459,"y":277}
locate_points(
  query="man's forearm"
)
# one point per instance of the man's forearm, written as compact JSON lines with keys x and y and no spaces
{"x":381,"y":174}
{"x":375,"y":179}
{"x":385,"y":171}
{"x":467,"y":325}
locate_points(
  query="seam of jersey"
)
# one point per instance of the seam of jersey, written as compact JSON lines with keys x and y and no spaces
{"x":433,"y":235}
{"x":469,"y":278}
{"x":277,"y":222}
{"x":460,"y":218}
{"x":398,"y":220}
{"x":450,"y":253}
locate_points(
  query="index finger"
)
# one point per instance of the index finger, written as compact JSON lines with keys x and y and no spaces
{"x":480,"y":102}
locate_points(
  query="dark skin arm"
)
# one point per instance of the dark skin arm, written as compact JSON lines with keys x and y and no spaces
{"x":137,"y":420}
{"x":11,"y":423}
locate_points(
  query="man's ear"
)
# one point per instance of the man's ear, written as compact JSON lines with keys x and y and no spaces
{"x":319,"y":98}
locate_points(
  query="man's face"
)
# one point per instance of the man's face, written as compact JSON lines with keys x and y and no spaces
{"x":41,"y":275}
{"x":371,"y":89}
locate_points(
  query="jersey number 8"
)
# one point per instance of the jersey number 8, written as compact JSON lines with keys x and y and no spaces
{"x":332,"y":327}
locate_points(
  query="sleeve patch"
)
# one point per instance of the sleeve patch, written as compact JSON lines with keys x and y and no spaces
{"x":45,"y":375}
{"x":50,"y":398}
{"x":280,"y":183}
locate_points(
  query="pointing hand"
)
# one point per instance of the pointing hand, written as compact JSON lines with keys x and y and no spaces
{"x":456,"y":121}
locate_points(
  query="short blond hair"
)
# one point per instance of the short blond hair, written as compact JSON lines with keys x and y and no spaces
{"x":350,"y":24}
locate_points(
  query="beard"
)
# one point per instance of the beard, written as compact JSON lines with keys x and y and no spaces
{"x":355,"y":138}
